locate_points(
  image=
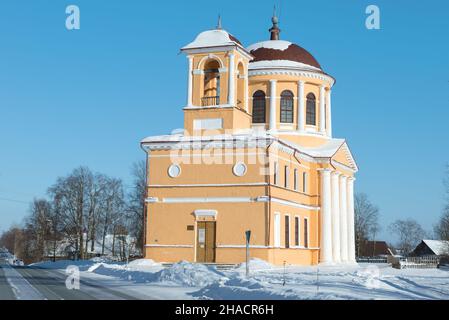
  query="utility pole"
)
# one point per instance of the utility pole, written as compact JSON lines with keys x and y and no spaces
{"x":248,"y":237}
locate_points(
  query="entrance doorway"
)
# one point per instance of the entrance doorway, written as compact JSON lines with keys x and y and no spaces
{"x":205,"y":241}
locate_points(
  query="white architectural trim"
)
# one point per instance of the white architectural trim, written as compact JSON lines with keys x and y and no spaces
{"x":294,"y":204}
{"x":301,"y":107}
{"x":206,"y":200}
{"x":273,"y":116}
{"x":209,"y":57}
{"x":231,"y":79}
{"x":335,"y":216}
{"x":190,"y":82}
{"x":208,"y":185}
{"x":235,"y":200}
{"x":326,"y":222}
{"x":322,"y":123}
{"x":205,"y":213}
{"x":329,"y":114}
{"x":227,"y":246}
{"x":169,"y":245}
{"x":351,"y":226}
{"x":290,"y":72}
{"x":343,"y":220}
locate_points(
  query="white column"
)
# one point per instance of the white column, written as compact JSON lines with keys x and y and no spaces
{"x":329,"y":114}
{"x":336,"y":217}
{"x":231,"y":82}
{"x":190,"y":82}
{"x":351,"y":227}
{"x":301,"y":111}
{"x":322,"y":110}
{"x":246,"y":93}
{"x":273,"y":105}
{"x":325,"y":213}
{"x":343,"y":220}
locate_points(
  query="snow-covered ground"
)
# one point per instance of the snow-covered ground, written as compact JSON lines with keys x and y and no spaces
{"x":183,"y":280}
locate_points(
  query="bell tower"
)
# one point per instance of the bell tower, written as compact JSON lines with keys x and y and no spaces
{"x":217,"y":90}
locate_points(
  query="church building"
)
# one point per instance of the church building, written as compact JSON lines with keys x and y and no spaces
{"x":256,"y":153}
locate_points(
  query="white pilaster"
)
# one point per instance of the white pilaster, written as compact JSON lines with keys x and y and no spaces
{"x":246,"y":93}
{"x":329,"y":114}
{"x":343,"y":220}
{"x":273,"y":105}
{"x":325,"y":213}
{"x":336,"y":217}
{"x":322,"y":110}
{"x":351,"y":226}
{"x":190,"y":82}
{"x":301,"y":111}
{"x":231,"y":82}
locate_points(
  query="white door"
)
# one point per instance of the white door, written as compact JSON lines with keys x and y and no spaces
{"x":277,"y":230}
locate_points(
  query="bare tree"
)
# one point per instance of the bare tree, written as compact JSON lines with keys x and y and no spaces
{"x":441,"y":229}
{"x":136,"y":202}
{"x":409,"y":233}
{"x":112,"y":208}
{"x":366,"y":220}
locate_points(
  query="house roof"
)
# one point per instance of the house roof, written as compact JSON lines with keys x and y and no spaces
{"x":213,"y":38}
{"x":281,"y":53}
{"x":374,"y":248}
{"x":439,"y":247}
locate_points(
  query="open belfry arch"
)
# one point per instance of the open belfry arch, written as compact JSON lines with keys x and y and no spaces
{"x":256,"y":153}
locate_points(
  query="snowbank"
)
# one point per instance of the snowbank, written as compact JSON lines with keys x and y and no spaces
{"x":255,"y":264}
{"x":188,"y":274}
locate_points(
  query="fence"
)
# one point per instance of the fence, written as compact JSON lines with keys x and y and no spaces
{"x":425,"y":262}
{"x":372,"y":259}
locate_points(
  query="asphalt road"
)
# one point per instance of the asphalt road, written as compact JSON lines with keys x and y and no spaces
{"x":6,"y":292}
{"x":50,"y":285}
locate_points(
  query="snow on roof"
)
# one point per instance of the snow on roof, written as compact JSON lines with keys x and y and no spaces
{"x":212,"y":38}
{"x":270,"y":44}
{"x":326,"y":150}
{"x":281,"y":64}
{"x":439,"y":247}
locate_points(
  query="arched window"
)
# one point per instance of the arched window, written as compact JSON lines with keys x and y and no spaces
{"x":287,"y":106}
{"x":311,"y":110}
{"x":259,"y":107}
{"x":211,"y":94}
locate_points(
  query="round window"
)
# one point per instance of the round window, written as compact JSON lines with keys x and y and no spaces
{"x":239,"y":169}
{"x":174,"y":171}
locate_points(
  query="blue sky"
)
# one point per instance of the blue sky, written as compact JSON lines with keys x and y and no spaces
{"x":87,"y":97}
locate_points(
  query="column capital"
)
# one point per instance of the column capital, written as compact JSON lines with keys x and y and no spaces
{"x":301,"y":82}
{"x":352,"y":179}
{"x":273,"y":81}
{"x":336,"y":174}
{"x":325,"y":170}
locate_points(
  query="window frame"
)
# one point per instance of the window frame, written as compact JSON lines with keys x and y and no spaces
{"x":287,"y":107}
{"x":259,"y":98}
{"x":311,"y":113}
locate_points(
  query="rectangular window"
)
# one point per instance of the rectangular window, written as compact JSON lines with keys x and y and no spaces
{"x":276,"y":169}
{"x":306,"y":233}
{"x":297,"y":231}
{"x":277,"y":230}
{"x":295,"y":180}
{"x":286,"y":174}
{"x":304,"y":182}
{"x":287,"y":231}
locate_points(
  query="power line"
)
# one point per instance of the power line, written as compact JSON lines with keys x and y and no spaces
{"x":13,"y":200}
